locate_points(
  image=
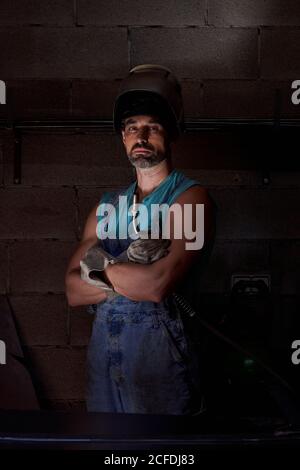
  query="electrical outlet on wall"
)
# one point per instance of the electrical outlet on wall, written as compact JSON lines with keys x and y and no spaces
{"x":251,"y":283}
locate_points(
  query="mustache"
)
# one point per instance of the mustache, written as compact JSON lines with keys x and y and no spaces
{"x":143,"y":146}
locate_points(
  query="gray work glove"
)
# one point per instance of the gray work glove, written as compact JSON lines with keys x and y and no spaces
{"x":96,"y":259}
{"x":146,"y":251}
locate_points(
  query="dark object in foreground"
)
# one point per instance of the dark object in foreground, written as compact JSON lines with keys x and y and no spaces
{"x":102,"y":431}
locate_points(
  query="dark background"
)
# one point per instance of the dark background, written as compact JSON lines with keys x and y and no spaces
{"x":63,"y":60}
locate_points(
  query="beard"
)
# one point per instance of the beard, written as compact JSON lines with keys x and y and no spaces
{"x":145,"y":161}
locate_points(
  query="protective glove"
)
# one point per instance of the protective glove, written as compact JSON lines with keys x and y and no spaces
{"x":96,"y":259}
{"x":146,"y":251}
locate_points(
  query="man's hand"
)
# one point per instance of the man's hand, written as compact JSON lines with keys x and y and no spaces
{"x":146,"y":251}
{"x":92,"y":266}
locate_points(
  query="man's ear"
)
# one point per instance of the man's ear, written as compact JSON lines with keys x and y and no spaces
{"x":123,"y":136}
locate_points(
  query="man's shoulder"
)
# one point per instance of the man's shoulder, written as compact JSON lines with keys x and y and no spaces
{"x":111,"y":196}
{"x":195,"y":193}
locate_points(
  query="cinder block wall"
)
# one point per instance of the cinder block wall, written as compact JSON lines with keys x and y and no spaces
{"x":64,"y":60}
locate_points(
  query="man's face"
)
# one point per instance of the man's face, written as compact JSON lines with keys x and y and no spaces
{"x":145,"y":141}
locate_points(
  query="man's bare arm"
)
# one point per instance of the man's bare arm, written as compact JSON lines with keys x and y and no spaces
{"x":79,"y":292}
{"x":153,"y":282}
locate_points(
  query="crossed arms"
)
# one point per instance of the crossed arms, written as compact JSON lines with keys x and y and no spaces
{"x":141,"y":282}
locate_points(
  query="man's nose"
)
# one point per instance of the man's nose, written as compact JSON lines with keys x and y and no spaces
{"x":143,"y":134}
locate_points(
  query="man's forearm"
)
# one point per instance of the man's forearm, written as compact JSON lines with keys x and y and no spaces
{"x":78,"y":292}
{"x":135,"y":281}
{"x":152,"y":281}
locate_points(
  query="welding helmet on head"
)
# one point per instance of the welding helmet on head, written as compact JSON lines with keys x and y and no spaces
{"x":151,"y":90}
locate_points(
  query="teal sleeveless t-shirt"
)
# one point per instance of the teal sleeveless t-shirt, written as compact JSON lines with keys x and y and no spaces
{"x":114,"y":219}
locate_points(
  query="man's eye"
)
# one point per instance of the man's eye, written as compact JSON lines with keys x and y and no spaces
{"x":154,"y":129}
{"x":131,"y":129}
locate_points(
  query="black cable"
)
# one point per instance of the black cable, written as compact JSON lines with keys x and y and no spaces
{"x":186,"y":307}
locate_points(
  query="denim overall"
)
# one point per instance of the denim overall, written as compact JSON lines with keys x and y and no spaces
{"x":139,"y":357}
